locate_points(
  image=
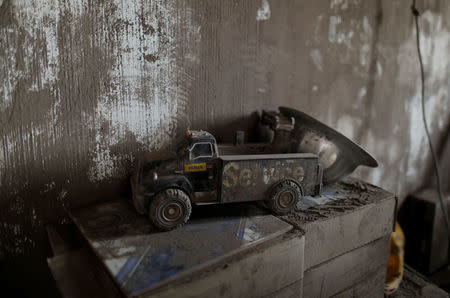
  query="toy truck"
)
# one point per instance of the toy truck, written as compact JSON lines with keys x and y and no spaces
{"x":166,"y":184}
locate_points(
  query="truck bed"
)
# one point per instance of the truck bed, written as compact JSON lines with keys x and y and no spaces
{"x":267,"y":156}
{"x":251,"y":177}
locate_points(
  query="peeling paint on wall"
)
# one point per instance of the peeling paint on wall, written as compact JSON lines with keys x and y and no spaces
{"x":145,"y":109}
{"x":263,"y":13}
{"x":435,"y":48}
{"x":84,"y":86}
{"x":347,"y":125}
{"x":317,"y":59}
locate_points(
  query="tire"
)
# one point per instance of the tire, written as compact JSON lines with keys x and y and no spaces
{"x":283,"y":197}
{"x":170,"y":209}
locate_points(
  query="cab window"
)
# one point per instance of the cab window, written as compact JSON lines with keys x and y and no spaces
{"x":201,"y":150}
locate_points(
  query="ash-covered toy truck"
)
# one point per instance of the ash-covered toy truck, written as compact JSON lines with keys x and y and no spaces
{"x":166,"y":184}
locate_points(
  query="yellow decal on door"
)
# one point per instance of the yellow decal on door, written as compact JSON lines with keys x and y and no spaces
{"x":195,"y":167}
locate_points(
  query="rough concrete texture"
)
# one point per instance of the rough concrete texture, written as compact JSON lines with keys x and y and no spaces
{"x":343,"y":225}
{"x":84,"y":86}
{"x":359,"y":273}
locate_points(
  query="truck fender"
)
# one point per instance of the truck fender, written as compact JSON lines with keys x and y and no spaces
{"x":142,"y":201}
{"x":179,"y":182}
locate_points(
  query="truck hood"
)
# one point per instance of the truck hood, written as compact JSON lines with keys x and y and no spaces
{"x":161,"y":162}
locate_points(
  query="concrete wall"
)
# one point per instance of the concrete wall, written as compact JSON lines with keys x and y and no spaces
{"x":85,"y":85}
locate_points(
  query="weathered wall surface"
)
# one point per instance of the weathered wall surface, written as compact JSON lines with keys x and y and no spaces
{"x":85,"y":85}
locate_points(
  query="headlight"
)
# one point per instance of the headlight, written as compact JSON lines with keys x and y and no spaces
{"x":155,"y":176}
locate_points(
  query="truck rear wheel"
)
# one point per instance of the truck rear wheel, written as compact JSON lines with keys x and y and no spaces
{"x":170,"y":209}
{"x":283,"y":197}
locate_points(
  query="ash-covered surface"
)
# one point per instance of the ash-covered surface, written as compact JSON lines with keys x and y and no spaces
{"x":139,"y":257}
{"x":340,"y":197}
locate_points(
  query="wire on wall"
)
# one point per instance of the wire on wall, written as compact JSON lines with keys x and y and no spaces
{"x":416,"y":14}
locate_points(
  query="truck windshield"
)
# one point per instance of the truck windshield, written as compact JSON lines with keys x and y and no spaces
{"x":201,"y":150}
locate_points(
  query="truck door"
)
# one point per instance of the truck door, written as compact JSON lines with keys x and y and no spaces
{"x":201,"y":167}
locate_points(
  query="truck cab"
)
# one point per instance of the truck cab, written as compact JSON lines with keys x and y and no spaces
{"x":191,"y":171}
{"x":199,"y":154}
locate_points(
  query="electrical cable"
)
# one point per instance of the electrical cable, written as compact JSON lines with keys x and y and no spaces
{"x":416,"y":14}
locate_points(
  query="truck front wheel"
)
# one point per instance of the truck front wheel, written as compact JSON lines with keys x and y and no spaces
{"x":283,"y":197}
{"x":170,"y":209}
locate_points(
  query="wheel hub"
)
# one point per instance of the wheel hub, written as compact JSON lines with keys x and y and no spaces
{"x":286,"y":199}
{"x":172,"y":212}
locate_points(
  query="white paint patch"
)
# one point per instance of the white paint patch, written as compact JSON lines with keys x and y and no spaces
{"x":435,"y":41}
{"x":332,"y":29}
{"x":317,"y":59}
{"x":359,"y":102}
{"x":379,"y":69}
{"x":364,"y":54}
{"x":37,"y":65}
{"x":362,"y":92}
{"x":435,"y":46}
{"x":34,"y":19}
{"x":366,"y":36}
{"x":103,"y":165}
{"x":124,"y":109}
{"x":144,"y":98}
{"x":317,"y":29}
{"x":417,"y":136}
{"x":4,"y":157}
{"x":339,"y":4}
{"x":339,"y":36}
{"x":354,"y":35}
{"x":367,"y":29}
{"x":411,"y":160}
{"x":263,"y":12}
